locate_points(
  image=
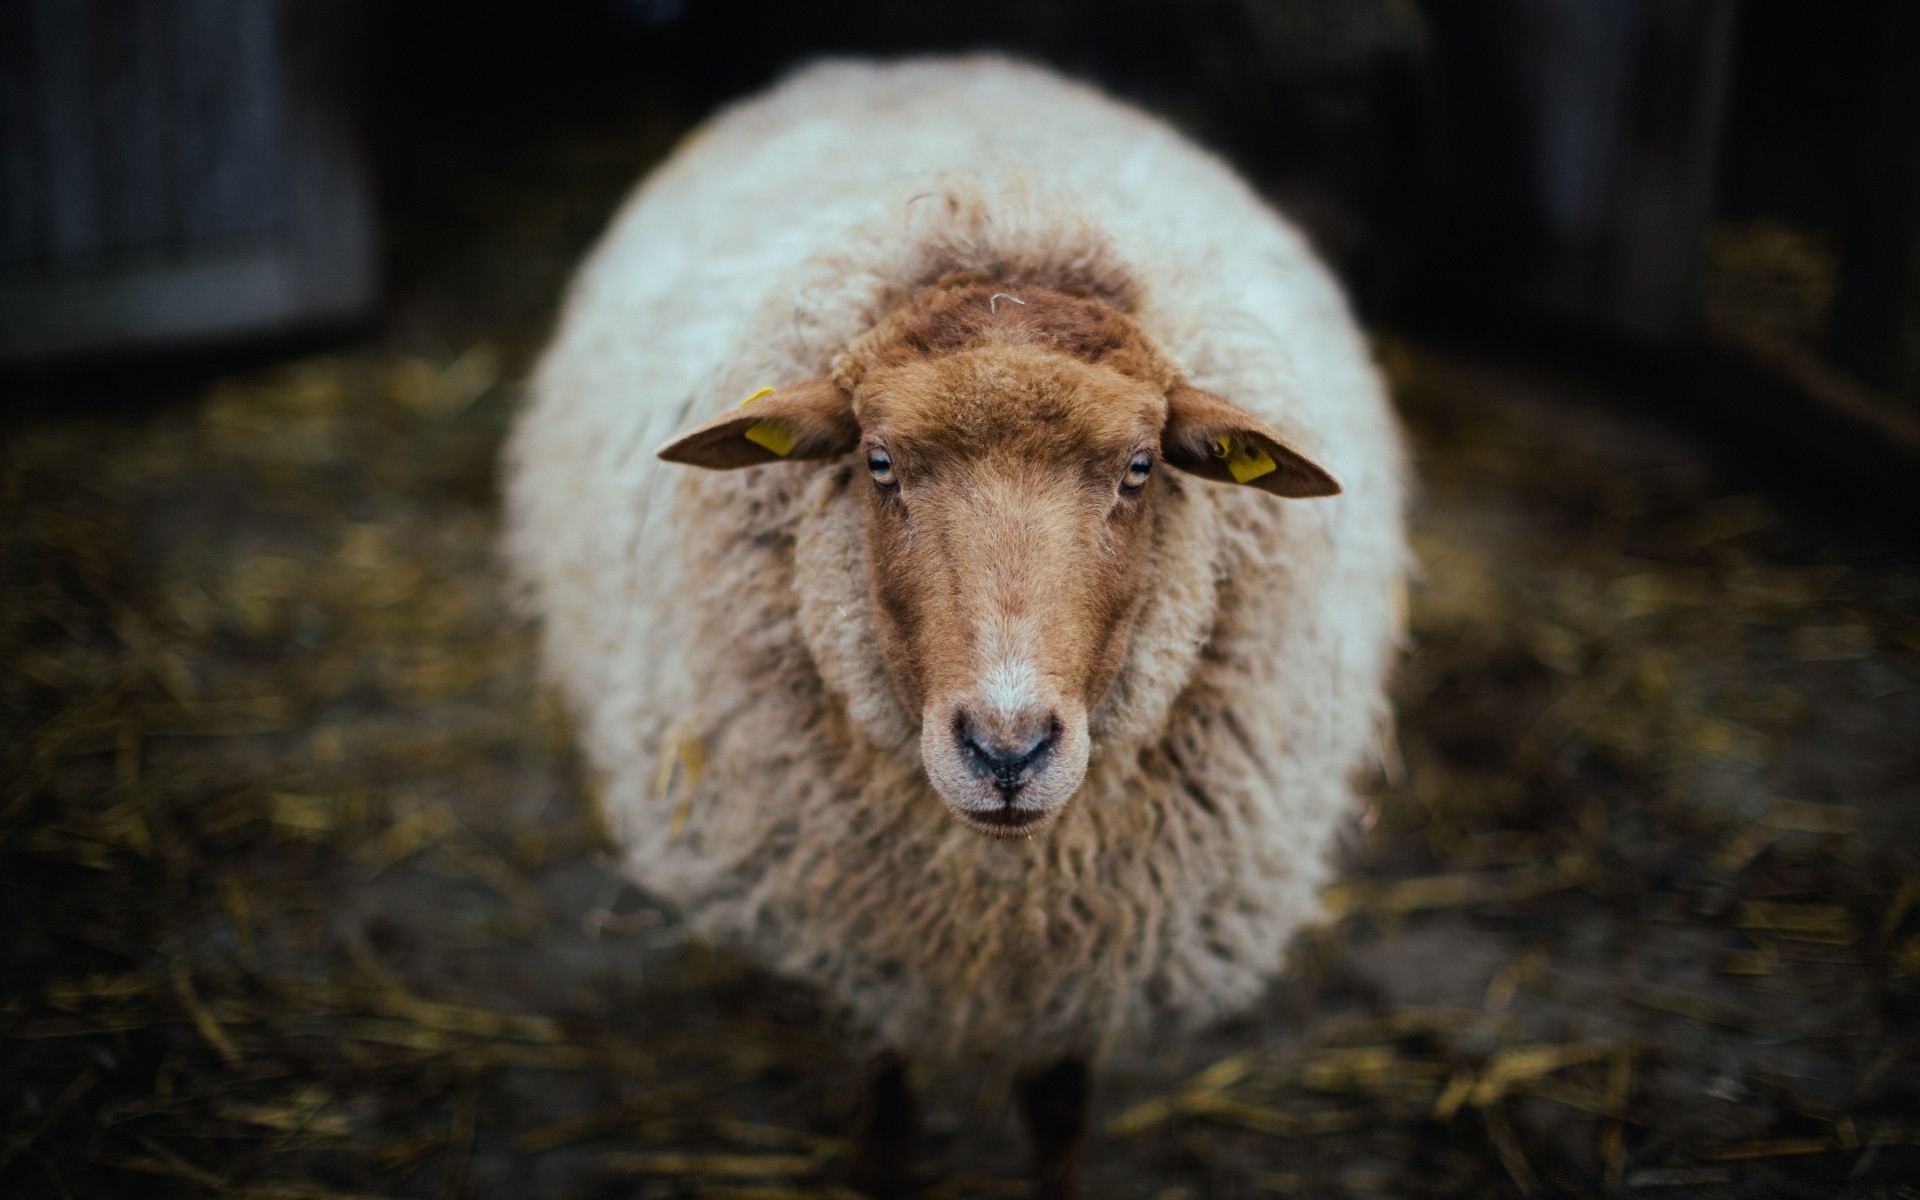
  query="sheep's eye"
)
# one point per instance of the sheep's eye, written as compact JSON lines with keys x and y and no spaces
{"x":1137,"y":472}
{"x":881,"y":468}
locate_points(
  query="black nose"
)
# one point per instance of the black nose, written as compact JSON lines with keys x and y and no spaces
{"x":1009,"y":760}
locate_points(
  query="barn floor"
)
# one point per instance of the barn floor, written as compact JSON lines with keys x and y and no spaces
{"x":303,"y":895}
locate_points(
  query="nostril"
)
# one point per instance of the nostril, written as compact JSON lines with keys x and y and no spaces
{"x":1005,"y":758}
{"x":1000,"y":754}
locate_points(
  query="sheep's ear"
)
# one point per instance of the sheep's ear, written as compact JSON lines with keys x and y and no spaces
{"x":805,"y":420}
{"x":1214,"y":438}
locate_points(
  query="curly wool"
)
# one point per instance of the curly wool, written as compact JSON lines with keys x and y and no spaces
{"x":712,"y":630}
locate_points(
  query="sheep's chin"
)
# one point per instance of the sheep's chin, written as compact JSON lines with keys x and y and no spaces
{"x":983,"y":808}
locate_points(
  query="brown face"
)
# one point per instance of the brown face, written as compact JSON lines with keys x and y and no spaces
{"x":1014,"y":445}
{"x":1007,"y":527}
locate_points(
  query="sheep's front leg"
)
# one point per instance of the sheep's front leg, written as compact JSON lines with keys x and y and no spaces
{"x":882,"y":1157}
{"x":1055,"y":1104}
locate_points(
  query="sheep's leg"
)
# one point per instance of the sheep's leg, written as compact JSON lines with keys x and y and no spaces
{"x":882,"y":1155}
{"x":1054,"y":1103}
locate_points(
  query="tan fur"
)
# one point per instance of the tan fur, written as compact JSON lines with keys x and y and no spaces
{"x":1008,"y":546}
{"x":1227,"y":647}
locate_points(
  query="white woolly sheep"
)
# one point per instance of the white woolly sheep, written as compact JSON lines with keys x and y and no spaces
{"x":964,"y":707}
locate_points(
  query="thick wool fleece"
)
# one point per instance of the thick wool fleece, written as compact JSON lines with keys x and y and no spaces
{"x":697,"y":615}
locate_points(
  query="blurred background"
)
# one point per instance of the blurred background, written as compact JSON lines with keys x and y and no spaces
{"x":303,"y":893}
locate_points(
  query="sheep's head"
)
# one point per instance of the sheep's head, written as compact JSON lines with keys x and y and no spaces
{"x":1013,"y":437}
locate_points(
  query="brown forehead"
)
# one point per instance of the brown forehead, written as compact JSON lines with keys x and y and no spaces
{"x":960,"y":313}
{"x":1016,"y":398}
{"x":971,"y":366}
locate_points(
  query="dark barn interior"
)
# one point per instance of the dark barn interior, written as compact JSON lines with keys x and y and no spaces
{"x":303,"y":892}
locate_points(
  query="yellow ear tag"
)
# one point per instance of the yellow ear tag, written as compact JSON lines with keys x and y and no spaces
{"x":1245,"y":462}
{"x":772,"y":436}
{"x":768,"y":434}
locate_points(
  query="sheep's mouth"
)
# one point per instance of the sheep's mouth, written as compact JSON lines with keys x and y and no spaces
{"x":1007,"y":817}
{"x":1006,"y":820}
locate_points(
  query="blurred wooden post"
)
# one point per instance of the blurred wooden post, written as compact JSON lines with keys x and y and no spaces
{"x":1656,"y":243}
{"x":1877,"y":308}
{"x":178,"y":171}
{"x":1582,"y":146}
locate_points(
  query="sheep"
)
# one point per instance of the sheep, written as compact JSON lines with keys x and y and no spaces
{"x":1006,"y":665}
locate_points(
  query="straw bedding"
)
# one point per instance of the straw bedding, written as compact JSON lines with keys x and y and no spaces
{"x":303,"y":893}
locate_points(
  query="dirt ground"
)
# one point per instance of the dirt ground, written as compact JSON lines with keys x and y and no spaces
{"x":302,"y":894}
